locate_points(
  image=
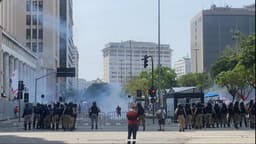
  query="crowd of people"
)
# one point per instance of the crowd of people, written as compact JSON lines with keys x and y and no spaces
{"x":42,"y":116}
{"x":216,"y":115}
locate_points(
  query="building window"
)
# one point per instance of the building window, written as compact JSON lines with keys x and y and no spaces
{"x":40,"y":19}
{"x":40,"y":33}
{"x":40,"y":47}
{"x":34,"y":47}
{"x":40,"y":6}
{"x":28,"y":6}
{"x":28,"y":19}
{"x":34,"y":33}
{"x":28,"y":34}
{"x":34,"y":20}
{"x":34,"y":5}
{"x":28,"y":44}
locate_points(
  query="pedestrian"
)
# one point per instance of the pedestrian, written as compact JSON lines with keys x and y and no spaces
{"x":118,"y":110}
{"x":132,"y":117}
{"x":36,"y":116}
{"x":141,"y":113}
{"x":189,"y":116}
{"x":16,"y":111}
{"x":27,"y":114}
{"x":94,"y":115}
{"x":237,"y":112}
{"x":223,"y":115}
{"x":181,"y":114}
{"x":161,"y":115}
{"x":243,"y":114}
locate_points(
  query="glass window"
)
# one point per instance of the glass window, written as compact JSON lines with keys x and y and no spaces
{"x":40,"y":6}
{"x":28,"y":44}
{"x":28,"y":34}
{"x":34,"y":20}
{"x":28,"y":5}
{"x":28,"y":20}
{"x":34,"y":47}
{"x":34,"y":33}
{"x":40,"y":47}
{"x":34,"y":5}
{"x":40,"y":19}
{"x":40,"y":33}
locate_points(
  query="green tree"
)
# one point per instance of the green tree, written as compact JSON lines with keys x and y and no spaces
{"x":144,"y":81}
{"x":236,"y":70}
{"x":167,"y":77}
{"x":195,"y":79}
{"x":233,"y":80}
{"x":247,"y":60}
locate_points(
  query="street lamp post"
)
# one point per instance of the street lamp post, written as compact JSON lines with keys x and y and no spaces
{"x":161,"y":97}
{"x":39,"y":79}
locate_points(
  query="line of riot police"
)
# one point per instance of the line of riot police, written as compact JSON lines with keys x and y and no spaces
{"x":50,"y":116}
{"x":216,"y":115}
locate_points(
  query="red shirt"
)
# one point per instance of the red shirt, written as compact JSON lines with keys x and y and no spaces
{"x":132,"y":117}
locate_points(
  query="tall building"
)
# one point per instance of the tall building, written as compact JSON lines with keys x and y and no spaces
{"x":16,"y":61}
{"x":212,"y":30}
{"x":182,"y":66}
{"x":122,"y":60}
{"x":68,"y":51}
{"x":44,"y":27}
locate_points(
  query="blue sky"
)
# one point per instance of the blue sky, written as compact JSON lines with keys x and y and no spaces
{"x":97,"y":22}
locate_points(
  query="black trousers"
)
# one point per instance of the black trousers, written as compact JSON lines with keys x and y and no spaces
{"x":132,"y":131}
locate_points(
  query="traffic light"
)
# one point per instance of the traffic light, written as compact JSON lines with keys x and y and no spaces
{"x":145,"y":61}
{"x":20,"y":86}
{"x":152,"y":92}
{"x":26,"y":97}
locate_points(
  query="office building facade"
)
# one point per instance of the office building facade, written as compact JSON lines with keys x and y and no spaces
{"x":212,"y":31}
{"x":182,"y":66}
{"x":123,"y":60}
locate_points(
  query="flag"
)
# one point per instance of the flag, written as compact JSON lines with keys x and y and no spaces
{"x":14,"y":82}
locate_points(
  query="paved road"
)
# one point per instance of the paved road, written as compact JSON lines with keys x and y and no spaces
{"x":12,"y":132}
{"x":117,"y":137}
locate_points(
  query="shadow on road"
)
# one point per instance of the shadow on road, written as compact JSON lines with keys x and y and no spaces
{"x":10,"y":139}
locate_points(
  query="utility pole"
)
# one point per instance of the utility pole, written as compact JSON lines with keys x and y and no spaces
{"x":39,"y":79}
{"x":161,"y":97}
{"x":131,"y":60}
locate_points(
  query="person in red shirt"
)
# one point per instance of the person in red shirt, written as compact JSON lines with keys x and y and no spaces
{"x":132,"y":117}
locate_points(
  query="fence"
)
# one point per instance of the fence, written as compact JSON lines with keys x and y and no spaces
{"x":112,"y":118}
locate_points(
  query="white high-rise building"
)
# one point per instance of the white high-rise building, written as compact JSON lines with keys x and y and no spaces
{"x":123,"y":60}
{"x":182,"y":66}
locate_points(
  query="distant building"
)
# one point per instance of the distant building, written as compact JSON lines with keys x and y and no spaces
{"x":122,"y":60}
{"x":182,"y":66}
{"x":212,"y":30}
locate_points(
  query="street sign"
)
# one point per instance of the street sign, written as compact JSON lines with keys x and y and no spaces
{"x":66,"y":72}
{"x":139,"y":99}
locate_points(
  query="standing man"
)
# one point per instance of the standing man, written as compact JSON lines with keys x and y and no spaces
{"x":94,"y":113}
{"x":141,"y":113}
{"x":132,"y":117}
{"x":27,"y":114}
{"x":181,"y":114}
{"x":161,"y":115}
{"x":118,"y":110}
